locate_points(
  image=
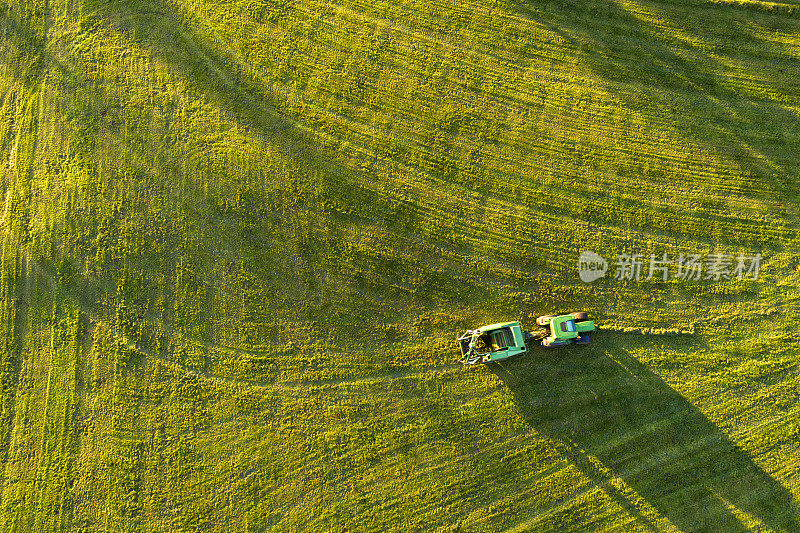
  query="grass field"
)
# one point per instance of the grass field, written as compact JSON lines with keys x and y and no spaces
{"x":241,"y":237}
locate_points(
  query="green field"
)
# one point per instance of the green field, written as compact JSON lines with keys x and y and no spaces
{"x":240,"y":238}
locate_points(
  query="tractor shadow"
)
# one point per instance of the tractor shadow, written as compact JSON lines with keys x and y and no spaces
{"x":599,"y":403}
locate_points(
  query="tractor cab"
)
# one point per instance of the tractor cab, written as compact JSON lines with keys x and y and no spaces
{"x":563,"y":327}
{"x":566,"y":329}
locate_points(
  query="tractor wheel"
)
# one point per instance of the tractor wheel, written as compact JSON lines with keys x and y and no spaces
{"x":580,"y":315}
{"x":583,"y":339}
{"x":548,"y":344}
{"x":544,"y":319}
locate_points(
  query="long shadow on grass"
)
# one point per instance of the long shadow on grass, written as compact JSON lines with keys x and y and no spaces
{"x":672,"y":55}
{"x":600,"y":402}
{"x":219,"y":74}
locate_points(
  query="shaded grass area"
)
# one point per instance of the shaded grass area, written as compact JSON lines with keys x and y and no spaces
{"x":710,"y":92}
{"x":617,"y":422}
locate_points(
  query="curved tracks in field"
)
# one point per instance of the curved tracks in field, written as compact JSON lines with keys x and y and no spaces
{"x":233,"y":381}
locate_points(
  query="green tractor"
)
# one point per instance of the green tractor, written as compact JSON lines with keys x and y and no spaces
{"x":497,"y":342}
{"x":566,"y":329}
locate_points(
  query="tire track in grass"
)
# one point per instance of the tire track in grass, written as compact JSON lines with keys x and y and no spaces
{"x":572,"y":125}
{"x":294,"y":385}
{"x":433,"y":207}
{"x":234,"y":382}
{"x":343,"y":118}
{"x":364,"y":150}
{"x":417,"y":36}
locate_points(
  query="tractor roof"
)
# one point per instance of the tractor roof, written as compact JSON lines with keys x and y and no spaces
{"x":560,"y":327}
